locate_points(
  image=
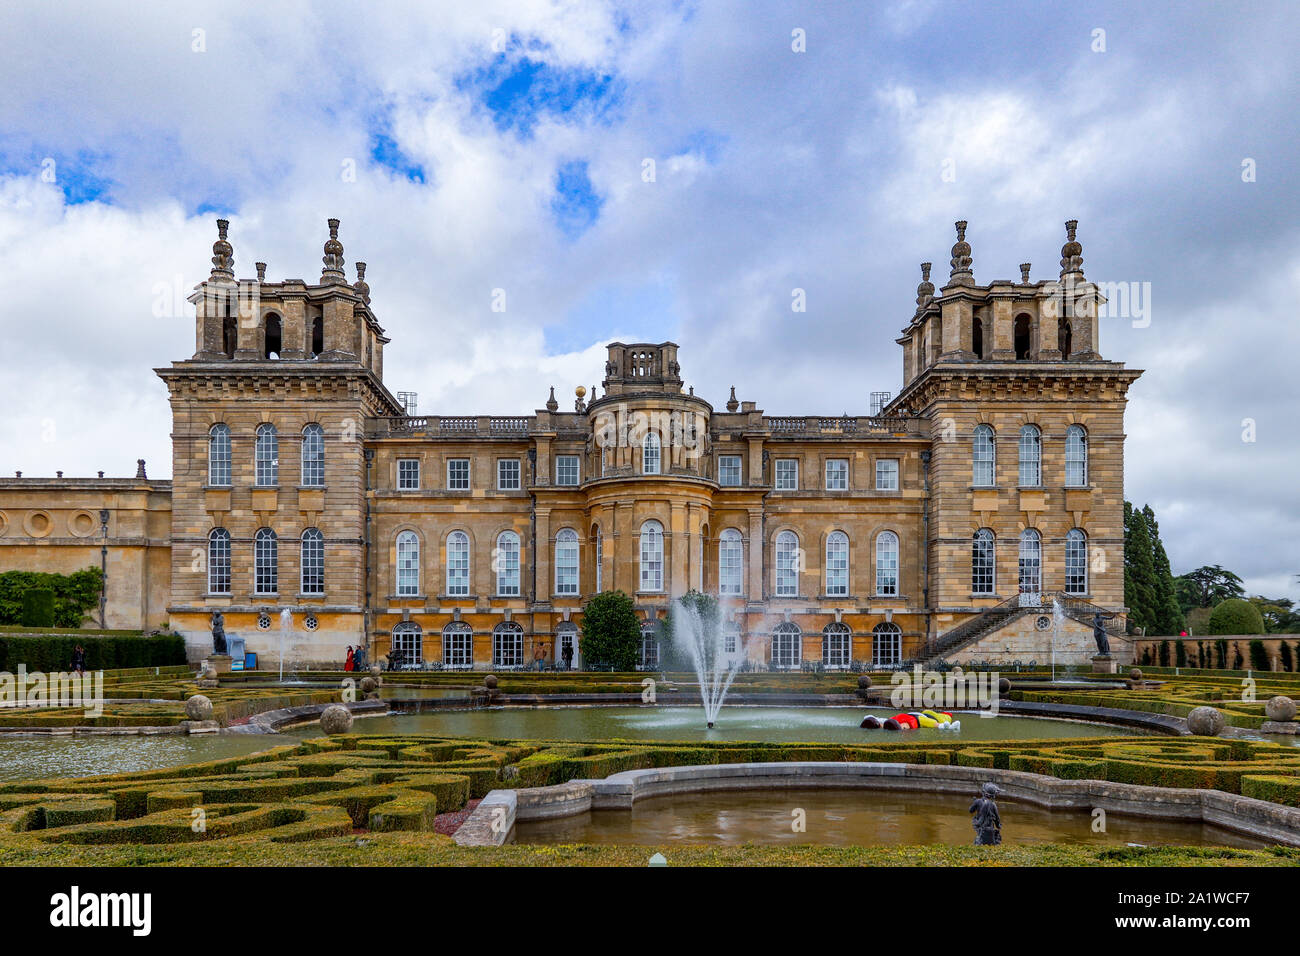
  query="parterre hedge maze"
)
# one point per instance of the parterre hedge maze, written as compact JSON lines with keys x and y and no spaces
{"x":336,"y":786}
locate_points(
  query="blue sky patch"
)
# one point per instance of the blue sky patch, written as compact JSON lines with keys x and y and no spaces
{"x":519,"y":91}
{"x":575,"y":205}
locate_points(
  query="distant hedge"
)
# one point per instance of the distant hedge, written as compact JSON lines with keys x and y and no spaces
{"x":53,"y":652}
{"x":73,"y":596}
{"x":1236,"y":616}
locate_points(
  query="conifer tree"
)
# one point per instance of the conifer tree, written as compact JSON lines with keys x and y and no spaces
{"x":1139,"y":571}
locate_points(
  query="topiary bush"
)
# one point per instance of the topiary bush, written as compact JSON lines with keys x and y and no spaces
{"x":1259,"y":657}
{"x":611,"y":632}
{"x":1284,"y":653}
{"x":1236,"y":616}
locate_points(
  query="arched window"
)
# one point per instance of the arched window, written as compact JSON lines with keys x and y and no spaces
{"x":787,"y":564}
{"x":229,"y":336}
{"x":266,"y":456}
{"x":219,"y":561}
{"x":837,"y":564}
{"x":1023,"y":337}
{"x":1031,"y":562}
{"x":787,"y":645}
{"x":313,"y":562}
{"x":886,"y":645}
{"x":1076,"y":457}
{"x":981,"y":562}
{"x":650,"y":454}
{"x":983,"y":458}
{"x":837,"y":645}
{"x":1076,"y":562}
{"x":266,"y":562}
{"x":219,"y":455}
{"x":408,"y":638}
{"x":458,"y":645}
{"x":649,"y":657}
{"x":1031,"y":456}
{"x":273,"y":336}
{"x":458,"y":563}
{"x":977,"y":337}
{"x":652,"y":556}
{"x":566,"y":562}
{"x":313,"y":456}
{"x":1064,"y":337}
{"x":408,"y":563}
{"x":507,"y":564}
{"x":317,"y":335}
{"x":887,"y":563}
{"x":731,"y":562}
{"x":508,"y":645}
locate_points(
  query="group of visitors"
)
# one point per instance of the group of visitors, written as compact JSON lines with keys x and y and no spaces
{"x":539,"y":656}
{"x":79,"y":660}
{"x":356,"y":660}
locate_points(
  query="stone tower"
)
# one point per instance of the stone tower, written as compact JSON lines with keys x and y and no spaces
{"x":269,"y":466}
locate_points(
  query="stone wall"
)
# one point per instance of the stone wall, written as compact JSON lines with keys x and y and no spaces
{"x":1022,"y":639}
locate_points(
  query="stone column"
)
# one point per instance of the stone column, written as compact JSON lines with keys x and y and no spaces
{"x":679,"y":538}
{"x":755,"y":559}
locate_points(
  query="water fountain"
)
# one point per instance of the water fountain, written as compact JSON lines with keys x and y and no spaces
{"x":715,"y":669}
{"x":286,"y":628}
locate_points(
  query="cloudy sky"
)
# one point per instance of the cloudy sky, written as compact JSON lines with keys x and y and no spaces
{"x":469,"y":147}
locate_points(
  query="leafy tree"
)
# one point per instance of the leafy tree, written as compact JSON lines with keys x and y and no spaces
{"x":1259,"y":656}
{"x":1236,"y":616}
{"x":1139,"y":571}
{"x":611,"y":633}
{"x":1167,"y":616}
{"x":1207,"y":586}
{"x":1280,"y":615}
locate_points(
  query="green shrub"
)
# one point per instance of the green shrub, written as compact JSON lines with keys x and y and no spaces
{"x":1259,"y":657}
{"x":1180,"y":654}
{"x":74,"y":596}
{"x":38,"y":608}
{"x":1221,"y":654}
{"x":52,"y":653}
{"x":1164,"y":653}
{"x":1284,"y":653}
{"x":1236,"y":616}
{"x":611,"y":632}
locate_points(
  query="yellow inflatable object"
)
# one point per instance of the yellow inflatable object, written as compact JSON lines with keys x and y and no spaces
{"x":925,"y":720}
{"x":939,"y":717}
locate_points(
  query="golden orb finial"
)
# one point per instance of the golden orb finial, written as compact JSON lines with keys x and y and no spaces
{"x":580,"y":391}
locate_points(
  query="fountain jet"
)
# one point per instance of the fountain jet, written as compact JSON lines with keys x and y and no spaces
{"x":714,"y":667}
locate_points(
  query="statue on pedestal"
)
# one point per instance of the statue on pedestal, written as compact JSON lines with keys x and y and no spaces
{"x":986,"y":821}
{"x":218,"y":633}
{"x":1099,"y":634}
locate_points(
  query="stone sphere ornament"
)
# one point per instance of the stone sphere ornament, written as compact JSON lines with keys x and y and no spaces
{"x":1280,"y":708}
{"x":864,"y":682}
{"x":490,"y":682}
{"x":375,"y":671}
{"x":1205,"y":721}
{"x":369,"y":685}
{"x":336,"y":719}
{"x":1135,"y":674}
{"x":198,"y":707}
{"x":1004,"y":687}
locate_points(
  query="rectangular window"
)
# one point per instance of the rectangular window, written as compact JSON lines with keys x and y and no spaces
{"x":508,"y":474}
{"x":458,"y":474}
{"x":787,"y":474}
{"x":729,"y":470}
{"x":458,"y":647}
{"x":566,"y":470}
{"x":886,"y":474}
{"x":408,"y":474}
{"x":837,"y":474}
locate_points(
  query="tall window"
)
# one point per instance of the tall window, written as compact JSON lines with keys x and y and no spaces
{"x":219,"y":455}
{"x":837,"y":564}
{"x":508,"y":474}
{"x":566,"y":470}
{"x":267,"y":455}
{"x":219,"y":561}
{"x":650,"y":454}
{"x":266,"y":562}
{"x":507,"y":562}
{"x":652,"y":556}
{"x":508,"y":645}
{"x":787,"y":474}
{"x":1031,"y":560}
{"x":1076,"y":457}
{"x":729,"y":470}
{"x":886,"y":645}
{"x":731,"y":562}
{"x":408,"y":639}
{"x":458,"y":645}
{"x":886,"y":474}
{"x":458,"y":474}
{"x":600,"y":560}
{"x":886,"y":563}
{"x":649,"y":657}
{"x":458,"y":563}
{"x":408,"y":474}
{"x":1076,"y":562}
{"x":787,"y":645}
{"x":408,"y":563}
{"x":837,"y":474}
{"x":981,"y":562}
{"x":313,"y":456}
{"x":787,"y":564}
{"x":313,"y":562}
{"x":566,"y":562}
{"x":1031,"y":454}
{"x":837,"y":644}
{"x":983,"y":457}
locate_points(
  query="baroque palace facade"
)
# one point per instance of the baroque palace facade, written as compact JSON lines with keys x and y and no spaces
{"x":940,"y":525}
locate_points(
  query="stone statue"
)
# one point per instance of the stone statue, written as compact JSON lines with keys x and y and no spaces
{"x":987,"y":823}
{"x":218,"y":633}
{"x":1099,"y":634}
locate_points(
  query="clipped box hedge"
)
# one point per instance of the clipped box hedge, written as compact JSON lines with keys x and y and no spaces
{"x":52,"y":653}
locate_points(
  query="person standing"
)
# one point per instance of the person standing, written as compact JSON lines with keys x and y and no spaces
{"x":567,"y":654}
{"x":539,"y":655}
{"x":347,"y":666}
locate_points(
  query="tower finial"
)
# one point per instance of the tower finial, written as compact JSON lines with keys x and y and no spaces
{"x":551,"y":404}
{"x":732,"y":404}
{"x":961,"y":259}
{"x":361,"y":285}
{"x":223,"y":253}
{"x":925,"y":289}
{"x":1024,"y":272}
{"x":261,"y":271}
{"x":1072,"y":251}
{"x":333,"y":258}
